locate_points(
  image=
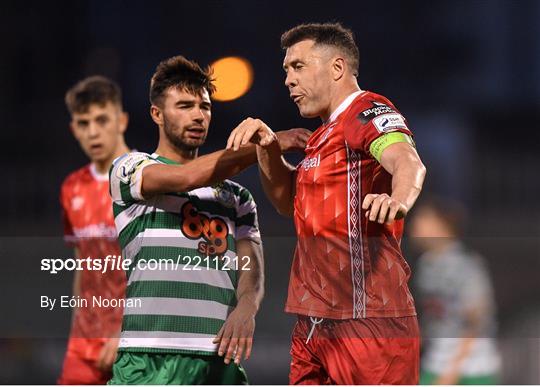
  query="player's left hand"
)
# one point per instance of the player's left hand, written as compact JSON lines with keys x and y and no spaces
{"x":107,"y":355}
{"x":251,"y":130}
{"x":235,"y":338}
{"x":382,"y":208}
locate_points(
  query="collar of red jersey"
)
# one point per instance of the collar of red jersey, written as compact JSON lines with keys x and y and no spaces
{"x":96,"y":175}
{"x":342,"y":106}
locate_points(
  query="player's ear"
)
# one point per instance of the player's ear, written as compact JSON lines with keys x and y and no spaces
{"x":124,"y":121}
{"x":338,"y":68}
{"x":156,"y":114}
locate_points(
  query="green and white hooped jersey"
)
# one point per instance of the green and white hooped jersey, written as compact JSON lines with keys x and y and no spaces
{"x":183,"y":266}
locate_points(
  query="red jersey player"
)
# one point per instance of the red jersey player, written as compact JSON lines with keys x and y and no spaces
{"x":98,"y":123}
{"x":361,"y":175}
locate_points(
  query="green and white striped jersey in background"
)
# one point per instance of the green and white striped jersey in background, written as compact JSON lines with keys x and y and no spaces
{"x":182,"y":249}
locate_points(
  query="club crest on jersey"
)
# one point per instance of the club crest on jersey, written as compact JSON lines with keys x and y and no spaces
{"x":224,"y":196}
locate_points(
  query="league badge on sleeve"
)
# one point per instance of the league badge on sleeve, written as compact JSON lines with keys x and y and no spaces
{"x":128,"y":165}
{"x":389,"y":122}
{"x":384,"y":117}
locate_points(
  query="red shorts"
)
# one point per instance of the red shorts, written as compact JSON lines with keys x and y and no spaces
{"x":363,"y":351}
{"x":80,"y":362}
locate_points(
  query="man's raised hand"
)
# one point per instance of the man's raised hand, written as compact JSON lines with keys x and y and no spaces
{"x":251,"y":130}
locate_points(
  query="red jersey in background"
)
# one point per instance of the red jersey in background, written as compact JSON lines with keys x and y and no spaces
{"x":89,"y":227}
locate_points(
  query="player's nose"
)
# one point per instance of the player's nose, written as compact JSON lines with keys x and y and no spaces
{"x":198,"y":115}
{"x":93,"y":130}
{"x":290,"y":81}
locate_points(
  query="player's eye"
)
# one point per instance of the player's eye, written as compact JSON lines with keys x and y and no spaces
{"x":102,"y":120}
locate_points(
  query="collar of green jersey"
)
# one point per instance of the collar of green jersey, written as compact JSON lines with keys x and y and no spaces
{"x":164,"y":160}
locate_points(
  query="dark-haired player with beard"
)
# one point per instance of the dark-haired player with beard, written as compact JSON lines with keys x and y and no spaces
{"x":174,"y":205}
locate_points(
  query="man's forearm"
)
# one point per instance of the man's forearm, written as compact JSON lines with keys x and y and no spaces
{"x":407,"y":180}
{"x":277,"y":178}
{"x":250,"y":288}
{"x":201,"y":172}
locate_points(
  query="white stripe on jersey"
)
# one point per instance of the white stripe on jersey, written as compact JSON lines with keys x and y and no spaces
{"x":179,"y":307}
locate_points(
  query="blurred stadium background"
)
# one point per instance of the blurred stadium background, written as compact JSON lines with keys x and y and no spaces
{"x":466,"y":74}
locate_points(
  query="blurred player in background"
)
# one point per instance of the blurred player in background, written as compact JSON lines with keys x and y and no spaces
{"x":173,"y":204}
{"x":98,"y":123}
{"x":456,"y":300}
{"x":361,"y":175}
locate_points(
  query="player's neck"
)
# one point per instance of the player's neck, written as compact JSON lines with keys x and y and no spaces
{"x":102,"y":166}
{"x":181,"y":156}
{"x":337,"y":99}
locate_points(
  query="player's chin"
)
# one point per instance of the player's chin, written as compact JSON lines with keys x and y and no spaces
{"x":97,"y":156}
{"x":305,"y":112}
{"x":194,"y":143}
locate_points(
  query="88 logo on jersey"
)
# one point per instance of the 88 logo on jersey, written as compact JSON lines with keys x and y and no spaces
{"x":214,"y":230}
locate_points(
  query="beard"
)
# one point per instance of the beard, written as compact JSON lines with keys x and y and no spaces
{"x":175,"y":135}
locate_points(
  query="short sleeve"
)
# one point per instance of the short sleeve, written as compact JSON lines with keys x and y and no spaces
{"x":371,"y":128}
{"x":247,"y":224}
{"x":125,"y":177}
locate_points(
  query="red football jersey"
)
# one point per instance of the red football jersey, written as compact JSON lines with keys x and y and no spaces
{"x":89,"y":226}
{"x":344,"y":265}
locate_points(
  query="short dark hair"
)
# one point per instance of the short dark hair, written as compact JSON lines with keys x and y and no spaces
{"x":181,"y":73}
{"x":328,"y":34}
{"x":96,"y":89}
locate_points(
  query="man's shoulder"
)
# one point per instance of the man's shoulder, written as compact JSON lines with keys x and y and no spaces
{"x":229,"y":191}
{"x":124,"y":165}
{"x":238,"y":189}
{"x":130,"y":158}
{"x":371,"y":103}
{"x":78,"y":176}
{"x":372,"y":109}
{"x":233,"y":185}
